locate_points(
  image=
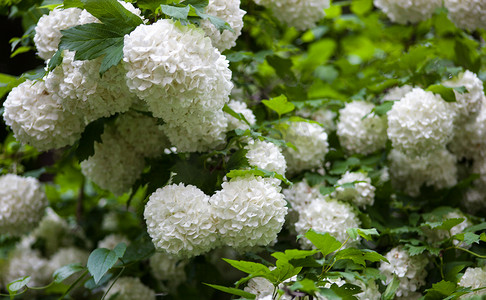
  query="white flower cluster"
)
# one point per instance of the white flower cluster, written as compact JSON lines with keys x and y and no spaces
{"x":310,"y":141}
{"x":249,"y":211}
{"x":55,"y":231}
{"x":266,"y":155}
{"x":241,"y":108}
{"x":130,"y":288}
{"x":359,"y":130}
{"x":362,"y":193}
{"x":184,"y":80}
{"x":26,"y":262}
{"x":325,"y":117}
{"x":437,"y":235}
{"x":38,"y":120}
{"x":230,"y":12}
{"x":166,"y":267}
{"x":112,"y":240}
{"x":420,"y":123}
{"x":66,"y":256}
{"x":410,"y":270}
{"x":326,"y":215}
{"x":474,"y":278}
{"x":299,"y":195}
{"x":469,"y":103}
{"x":438,"y":169}
{"x":142,"y":133}
{"x":22,"y":203}
{"x":115,"y":165}
{"x":397,"y":93}
{"x":179,"y":220}
{"x":301,"y":14}
{"x":470,"y":137}
{"x":78,"y":88}
{"x":467,"y":14}
{"x":404,"y":11}
{"x":48,"y":30}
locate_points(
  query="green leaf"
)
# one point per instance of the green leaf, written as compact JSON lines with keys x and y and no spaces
{"x":324,"y":242}
{"x":440,"y":290}
{"x":257,"y":172}
{"x":56,"y":60}
{"x":114,"y":15}
{"x":249,"y":267}
{"x":15,"y":286}
{"x":234,"y":114}
{"x":152,"y":5}
{"x":468,"y":238}
{"x":365,"y":233}
{"x":92,"y":133}
{"x":444,"y":225}
{"x":280,"y":105}
{"x":360,"y":7}
{"x":359,"y":256}
{"x":383,"y":108}
{"x":283,"y":67}
{"x":100,"y":261}
{"x":21,"y":50}
{"x":139,"y":250}
{"x":232,"y":291}
{"x":198,"y":4}
{"x":66,"y":271}
{"x":120,"y":249}
{"x":73,"y":3}
{"x":446,"y":93}
{"x":305,"y":285}
{"x":219,"y":23}
{"x":391,"y":289}
{"x":294,"y":254}
{"x":178,"y":13}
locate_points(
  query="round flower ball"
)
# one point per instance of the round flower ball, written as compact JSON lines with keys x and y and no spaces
{"x":359,"y":130}
{"x":171,"y":67}
{"x":241,"y":108}
{"x":469,"y":103}
{"x":266,"y":155}
{"x":439,"y":169}
{"x":230,"y":12}
{"x":169,"y":268}
{"x":142,"y":133}
{"x":467,"y":14}
{"x":326,"y":215}
{"x":38,"y":120}
{"x":22,"y":204}
{"x":249,"y":211}
{"x":48,"y":30}
{"x":420,"y":123}
{"x":470,"y":137}
{"x":410,"y":270}
{"x":129,"y":288}
{"x":410,"y":11}
{"x":361,"y":193}
{"x":310,"y":141}
{"x":474,"y":278}
{"x":179,"y":220}
{"x":301,"y":14}
{"x":115,"y":165}
{"x":78,"y":88}
{"x":25,"y":262}
{"x":112,"y":240}
{"x":397,"y":92}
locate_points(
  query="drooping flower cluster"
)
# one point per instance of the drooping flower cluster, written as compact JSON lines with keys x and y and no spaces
{"x":310,"y":141}
{"x":230,"y":12}
{"x":184,"y":80}
{"x":412,"y":11}
{"x":359,"y":130}
{"x":467,"y":14}
{"x":410,"y":270}
{"x":301,"y":14}
{"x":420,"y":123}
{"x":130,"y":288}
{"x":361,"y":193}
{"x":22,"y":202}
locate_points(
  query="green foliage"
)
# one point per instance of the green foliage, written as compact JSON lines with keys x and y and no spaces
{"x":101,"y":260}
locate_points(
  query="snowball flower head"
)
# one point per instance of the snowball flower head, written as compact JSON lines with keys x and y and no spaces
{"x":130,"y":288}
{"x":77,"y":86}
{"x":467,"y":14}
{"x":438,"y":169}
{"x":22,"y":204}
{"x":470,"y":137}
{"x":26,"y":262}
{"x":166,"y":267}
{"x":142,"y":133}
{"x":38,"y":120}
{"x":397,"y":93}
{"x":310,"y":140}
{"x":266,"y":155}
{"x":301,"y":14}
{"x":112,"y":240}
{"x":54,"y":230}
{"x":250,"y":211}
{"x":48,"y":30}
{"x":412,"y":11}
{"x":420,"y":123}
{"x":241,"y":108}
{"x":469,"y":103}
{"x":410,"y":270}
{"x":230,"y":12}
{"x":474,"y":278}
{"x":362,"y":193}
{"x":115,"y":165}
{"x":172,"y":66}
{"x":326,"y":215}
{"x":179,"y":220}
{"x":359,"y":130}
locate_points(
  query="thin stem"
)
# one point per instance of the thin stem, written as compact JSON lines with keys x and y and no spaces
{"x":71,"y":287}
{"x":111,"y":285}
{"x":470,"y":252}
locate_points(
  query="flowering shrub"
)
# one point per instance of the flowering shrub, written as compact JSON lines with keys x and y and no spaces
{"x":244,"y":149}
